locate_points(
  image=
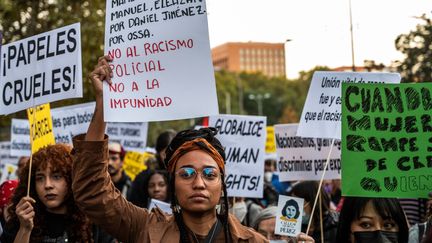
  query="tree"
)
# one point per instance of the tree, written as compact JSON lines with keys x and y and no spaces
{"x":417,"y":48}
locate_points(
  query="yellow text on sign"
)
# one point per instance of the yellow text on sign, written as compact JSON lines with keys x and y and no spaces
{"x":41,"y":127}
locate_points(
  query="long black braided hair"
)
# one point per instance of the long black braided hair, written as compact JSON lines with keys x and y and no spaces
{"x":182,"y":137}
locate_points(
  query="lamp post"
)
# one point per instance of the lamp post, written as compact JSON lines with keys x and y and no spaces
{"x":259,"y":98}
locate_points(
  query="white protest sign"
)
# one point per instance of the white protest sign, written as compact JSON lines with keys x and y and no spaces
{"x":5,"y":154}
{"x":132,"y":136}
{"x":243,"y":138}
{"x":41,"y":69}
{"x":301,"y":158}
{"x":20,"y":138}
{"x":162,"y":63}
{"x":321,"y":114}
{"x":166,"y":207}
{"x":289,"y":216}
{"x":69,"y":121}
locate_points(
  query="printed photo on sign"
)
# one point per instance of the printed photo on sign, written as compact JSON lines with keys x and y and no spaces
{"x":301,"y":158}
{"x":386,"y":145}
{"x":321,"y":116}
{"x":50,"y":62}
{"x":289,"y":216}
{"x":162,"y":67}
{"x":243,"y":138}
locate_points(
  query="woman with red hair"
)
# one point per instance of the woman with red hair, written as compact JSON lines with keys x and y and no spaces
{"x":49,"y":214}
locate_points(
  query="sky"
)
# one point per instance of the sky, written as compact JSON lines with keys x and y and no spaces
{"x":319,"y":29}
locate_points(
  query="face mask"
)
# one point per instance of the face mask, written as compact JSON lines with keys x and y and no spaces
{"x":268,"y":176}
{"x":278,"y":241}
{"x":239,"y":210}
{"x":305,"y":218}
{"x":377,"y":236}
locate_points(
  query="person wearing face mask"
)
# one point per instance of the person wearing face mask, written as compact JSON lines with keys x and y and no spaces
{"x":308,"y":190}
{"x":367,"y":220}
{"x":422,"y":232}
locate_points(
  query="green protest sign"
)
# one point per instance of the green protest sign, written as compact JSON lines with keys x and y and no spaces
{"x":387,"y":140}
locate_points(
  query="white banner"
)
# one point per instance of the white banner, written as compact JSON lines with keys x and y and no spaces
{"x":70,"y":121}
{"x":41,"y":69}
{"x":321,"y":114}
{"x":132,"y":136}
{"x":5,"y":154}
{"x":244,"y":139}
{"x":289,"y":216}
{"x":301,"y":158}
{"x":162,"y":62}
{"x":20,"y":138}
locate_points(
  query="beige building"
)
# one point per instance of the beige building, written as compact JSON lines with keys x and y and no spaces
{"x":267,"y":58}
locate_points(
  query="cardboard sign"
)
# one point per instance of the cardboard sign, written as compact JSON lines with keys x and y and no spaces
{"x":20,"y":138}
{"x":387,"y":144}
{"x":166,"y":207}
{"x":244,"y":140}
{"x":289,"y":216}
{"x":8,"y":172}
{"x":162,"y":63}
{"x":132,"y":136}
{"x":270,"y":146}
{"x":134,"y":163}
{"x":41,"y":69}
{"x":304,"y":158}
{"x":41,"y":127}
{"x":5,"y":154}
{"x":321,"y":114}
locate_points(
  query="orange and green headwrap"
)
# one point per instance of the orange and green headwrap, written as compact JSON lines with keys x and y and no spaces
{"x":196,"y":144}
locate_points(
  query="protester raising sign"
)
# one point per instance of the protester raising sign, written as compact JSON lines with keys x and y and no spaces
{"x":301,"y":158}
{"x":321,"y":114}
{"x":244,"y":140}
{"x":387,"y":145}
{"x":162,"y":64}
{"x":41,"y":69}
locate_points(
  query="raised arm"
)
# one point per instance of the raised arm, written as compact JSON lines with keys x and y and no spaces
{"x":93,"y":190}
{"x":102,"y":72}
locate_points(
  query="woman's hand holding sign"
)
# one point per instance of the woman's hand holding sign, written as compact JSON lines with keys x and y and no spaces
{"x":101,"y":72}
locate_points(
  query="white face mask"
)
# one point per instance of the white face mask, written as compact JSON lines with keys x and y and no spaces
{"x":278,"y":241}
{"x":239,"y":210}
{"x":268,"y":176}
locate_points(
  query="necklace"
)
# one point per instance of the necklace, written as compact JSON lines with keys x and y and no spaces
{"x":211,"y":234}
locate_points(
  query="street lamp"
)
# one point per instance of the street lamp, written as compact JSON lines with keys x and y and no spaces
{"x":258,"y":98}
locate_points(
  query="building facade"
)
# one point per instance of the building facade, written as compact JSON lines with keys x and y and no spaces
{"x":251,"y":57}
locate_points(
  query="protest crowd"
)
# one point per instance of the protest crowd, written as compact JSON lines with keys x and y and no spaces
{"x":355,"y":169}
